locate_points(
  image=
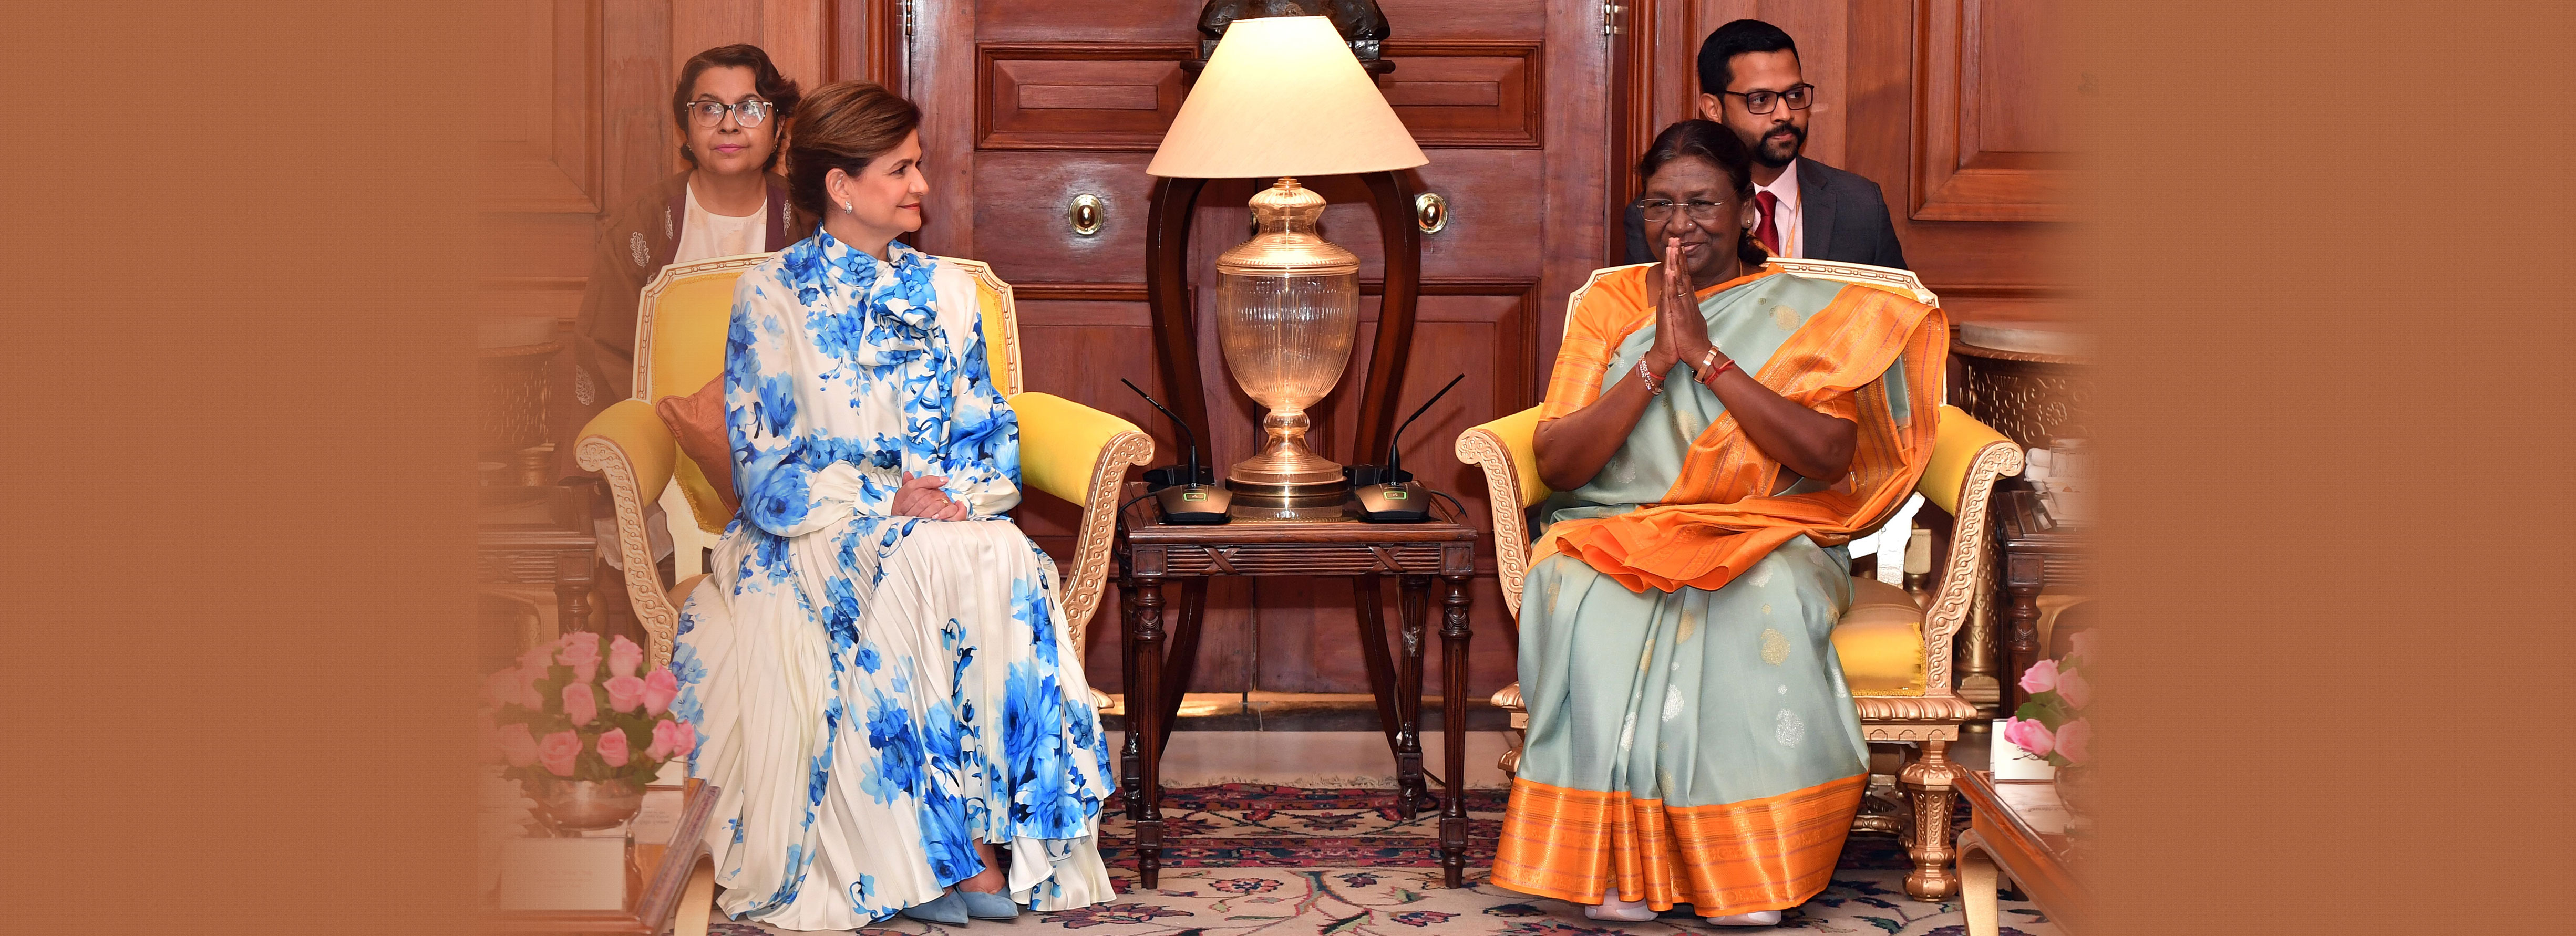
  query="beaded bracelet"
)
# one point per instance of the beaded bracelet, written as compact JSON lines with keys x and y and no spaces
{"x":1653,"y":386}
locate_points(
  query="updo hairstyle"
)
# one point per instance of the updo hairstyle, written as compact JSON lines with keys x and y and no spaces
{"x":843,"y":125}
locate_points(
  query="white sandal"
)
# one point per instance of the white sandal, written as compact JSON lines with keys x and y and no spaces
{"x":1613,"y":908}
{"x":1755,"y":918}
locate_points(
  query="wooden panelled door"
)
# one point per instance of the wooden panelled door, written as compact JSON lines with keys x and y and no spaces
{"x":1030,"y":105}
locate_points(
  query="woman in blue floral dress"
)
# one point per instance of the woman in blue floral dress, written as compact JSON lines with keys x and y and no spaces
{"x":879,"y":666}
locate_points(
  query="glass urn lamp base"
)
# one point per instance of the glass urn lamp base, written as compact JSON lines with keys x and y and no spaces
{"x":1287,"y":310}
{"x":1285,"y":480}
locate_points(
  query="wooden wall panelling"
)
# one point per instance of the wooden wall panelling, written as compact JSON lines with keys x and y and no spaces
{"x":1984,"y":270}
{"x":1077,"y":96}
{"x":1576,"y":202}
{"x":1989,"y":97}
{"x":1484,"y":93}
{"x":940,"y":77}
{"x":545,"y":158}
{"x":1020,"y":207}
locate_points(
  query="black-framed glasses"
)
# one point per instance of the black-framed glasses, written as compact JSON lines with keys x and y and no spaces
{"x":748,"y":113}
{"x":1661,"y":209}
{"x":1759,"y":102}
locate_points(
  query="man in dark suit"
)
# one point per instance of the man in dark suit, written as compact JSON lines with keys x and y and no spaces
{"x":1750,"y":82}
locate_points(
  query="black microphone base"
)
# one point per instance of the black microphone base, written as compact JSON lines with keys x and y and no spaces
{"x":1401,"y":502}
{"x":1194,"y":504}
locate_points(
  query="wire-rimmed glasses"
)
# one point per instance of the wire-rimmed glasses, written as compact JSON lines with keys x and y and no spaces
{"x":749,"y":113}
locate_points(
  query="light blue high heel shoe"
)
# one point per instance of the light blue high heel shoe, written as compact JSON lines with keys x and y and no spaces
{"x":950,"y":908}
{"x":983,"y":906}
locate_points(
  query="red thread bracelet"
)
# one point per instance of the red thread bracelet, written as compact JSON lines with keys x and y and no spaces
{"x":1705,"y":379}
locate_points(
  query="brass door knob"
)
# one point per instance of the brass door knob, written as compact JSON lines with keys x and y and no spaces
{"x":1430,"y":212}
{"x":1085,"y":214}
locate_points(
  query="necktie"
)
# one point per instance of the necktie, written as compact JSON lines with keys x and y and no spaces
{"x":1768,"y":231}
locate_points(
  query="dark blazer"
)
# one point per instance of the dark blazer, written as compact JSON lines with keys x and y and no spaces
{"x":1845,"y":217}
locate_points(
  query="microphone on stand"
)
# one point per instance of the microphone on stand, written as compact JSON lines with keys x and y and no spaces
{"x":1190,"y":501}
{"x":1393,"y":497}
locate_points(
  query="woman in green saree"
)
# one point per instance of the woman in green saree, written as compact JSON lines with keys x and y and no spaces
{"x":1718,"y":429}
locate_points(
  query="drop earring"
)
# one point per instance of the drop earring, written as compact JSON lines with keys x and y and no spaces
{"x":845,"y":206}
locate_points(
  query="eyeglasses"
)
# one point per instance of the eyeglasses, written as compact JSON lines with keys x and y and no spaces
{"x":1759,"y":102}
{"x":1659,"y":210}
{"x":748,"y":113}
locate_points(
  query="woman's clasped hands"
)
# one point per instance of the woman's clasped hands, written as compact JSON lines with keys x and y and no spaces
{"x":920,"y":496}
{"x":1681,"y":334}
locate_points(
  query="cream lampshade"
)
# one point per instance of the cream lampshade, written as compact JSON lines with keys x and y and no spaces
{"x":1281,"y":97}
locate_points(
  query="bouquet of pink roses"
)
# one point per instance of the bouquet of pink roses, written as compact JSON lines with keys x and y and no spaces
{"x":2051,"y":723}
{"x":570,"y":712}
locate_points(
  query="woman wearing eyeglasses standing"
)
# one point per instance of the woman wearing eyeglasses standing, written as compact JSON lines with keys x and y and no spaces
{"x":730,"y":110}
{"x":1717,"y":429}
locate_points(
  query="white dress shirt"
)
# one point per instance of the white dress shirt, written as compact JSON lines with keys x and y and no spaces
{"x":1784,"y":216}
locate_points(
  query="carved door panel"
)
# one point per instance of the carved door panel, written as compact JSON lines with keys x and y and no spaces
{"x":1030,"y":106}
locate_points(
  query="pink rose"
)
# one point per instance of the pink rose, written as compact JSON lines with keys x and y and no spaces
{"x":612,"y":747}
{"x":2075,"y":741}
{"x":2040,"y":677}
{"x":666,"y":735}
{"x":2082,"y":644}
{"x":516,"y":744}
{"x":660,"y":687}
{"x":624,"y":656}
{"x":580,"y":703}
{"x":2029,"y":735}
{"x":533,"y":663}
{"x":557,"y":751}
{"x":2075,"y":689}
{"x":625,"y":693}
{"x":581,"y":652}
{"x":684,"y":739}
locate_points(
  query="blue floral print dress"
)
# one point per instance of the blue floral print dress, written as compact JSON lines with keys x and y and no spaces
{"x":877,"y":693}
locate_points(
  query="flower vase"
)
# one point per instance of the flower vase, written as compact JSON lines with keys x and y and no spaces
{"x":2076,"y":792}
{"x":584,"y":805}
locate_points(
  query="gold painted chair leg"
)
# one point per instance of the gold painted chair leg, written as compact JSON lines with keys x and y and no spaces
{"x":1977,"y":891}
{"x":697,"y":901}
{"x":1931,"y":781}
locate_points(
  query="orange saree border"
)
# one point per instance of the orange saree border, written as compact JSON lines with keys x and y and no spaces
{"x":1711,"y":528}
{"x":1762,"y":854}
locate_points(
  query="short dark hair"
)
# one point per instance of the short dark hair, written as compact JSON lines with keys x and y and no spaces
{"x":773,"y":87}
{"x":1734,"y":39}
{"x":847,"y":125}
{"x":1709,"y":140}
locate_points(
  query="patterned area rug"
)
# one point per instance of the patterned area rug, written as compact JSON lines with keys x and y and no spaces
{"x":1243,"y":859}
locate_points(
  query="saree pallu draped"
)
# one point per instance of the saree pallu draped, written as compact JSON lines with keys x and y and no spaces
{"x":876,"y":693}
{"x":1691,"y":739}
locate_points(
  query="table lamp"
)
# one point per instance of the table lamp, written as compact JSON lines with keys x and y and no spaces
{"x":1283,"y":97}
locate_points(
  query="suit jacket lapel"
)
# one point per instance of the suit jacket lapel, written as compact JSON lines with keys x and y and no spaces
{"x":1815,"y":207}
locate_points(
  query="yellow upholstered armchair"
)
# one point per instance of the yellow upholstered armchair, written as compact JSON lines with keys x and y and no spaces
{"x":1895,"y":652}
{"x":1066,"y":449}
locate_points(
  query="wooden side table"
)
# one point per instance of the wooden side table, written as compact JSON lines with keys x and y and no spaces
{"x":539,"y":535}
{"x":2038,"y":554}
{"x":1150,"y":553}
{"x":2017,"y":827}
{"x":672,"y":883}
